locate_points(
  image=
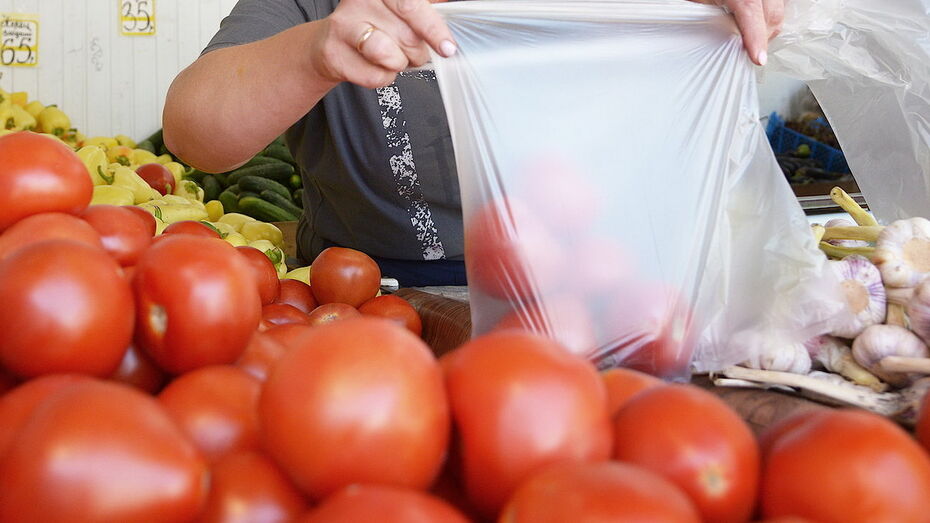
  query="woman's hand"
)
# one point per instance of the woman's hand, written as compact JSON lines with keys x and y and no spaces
{"x":758,"y":21}
{"x":367,"y":42}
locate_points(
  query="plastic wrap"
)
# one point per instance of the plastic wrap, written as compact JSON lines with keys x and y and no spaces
{"x":618,"y":190}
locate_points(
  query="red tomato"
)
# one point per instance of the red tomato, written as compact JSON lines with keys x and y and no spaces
{"x":157,"y":176}
{"x":66,"y":308}
{"x":261,"y":355}
{"x":696,"y":441}
{"x":340,"y":275}
{"x":622,"y":384}
{"x":139,"y":371}
{"x":396,"y":309}
{"x":195,"y":307}
{"x":290,"y":336}
{"x":607,"y":491}
{"x":40,"y":174}
{"x":247,"y":487}
{"x":360,"y":401}
{"x":847,"y":466}
{"x":146,"y":216}
{"x":282,"y":314}
{"x":922,"y":430}
{"x":266,"y":276}
{"x":521,"y":402}
{"x":191,"y":227}
{"x":217,"y":408}
{"x":7,"y":381}
{"x":18,"y":406}
{"x":298,"y":294}
{"x":778,"y":429}
{"x":47,"y":226}
{"x":101,"y":451}
{"x":331,"y":312}
{"x":562,"y":318}
{"x":384,"y":504}
{"x":123,"y":233}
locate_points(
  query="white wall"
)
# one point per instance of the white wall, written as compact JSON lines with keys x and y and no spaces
{"x":109,"y":83}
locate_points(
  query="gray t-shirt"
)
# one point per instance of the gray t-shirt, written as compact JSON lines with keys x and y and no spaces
{"x":377,"y":164}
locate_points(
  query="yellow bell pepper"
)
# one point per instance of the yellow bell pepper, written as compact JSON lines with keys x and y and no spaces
{"x":20,"y":98}
{"x":215,"y":211}
{"x":142,"y":157}
{"x":53,"y":120}
{"x":125,"y":177}
{"x":180,"y":200}
{"x":223,"y":228}
{"x":122,"y":139}
{"x":35,"y":108}
{"x":174,"y":212}
{"x":235,"y":239}
{"x":163,"y":159}
{"x":22,"y":121}
{"x":257,"y":230}
{"x":299,"y":274}
{"x":190,"y":190}
{"x":236,"y":220}
{"x":160,"y":226}
{"x":274,"y":253}
{"x":111,"y":195}
{"x":177,"y":170}
{"x":120,"y":154}
{"x":96,"y":162}
{"x":5,"y":99}
{"x":103,"y":141}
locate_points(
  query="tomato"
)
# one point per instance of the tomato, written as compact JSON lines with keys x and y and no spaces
{"x":123,"y":233}
{"x":560,"y":318}
{"x":146,"y":216}
{"x":396,"y":309}
{"x":66,"y":308}
{"x":101,"y":451}
{"x":291,"y":335}
{"x":776,"y":430}
{"x":384,"y":504}
{"x":922,"y":430}
{"x":266,"y":276}
{"x":7,"y":381}
{"x":139,"y":371}
{"x":607,"y":491}
{"x":247,"y":487}
{"x":196,"y":307}
{"x":331,"y":312}
{"x":281,"y":314}
{"x":622,"y":384}
{"x":358,"y":401}
{"x":847,"y":465}
{"x":157,"y":176}
{"x":261,"y":355}
{"x":191,"y":227}
{"x":603,"y":265}
{"x":298,"y":294}
{"x":217,"y":408}
{"x":567,"y":198}
{"x":40,"y":174}
{"x":18,"y":406}
{"x":521,"y":402}
{"x":340,"y":275}
{"x":695,"y":440}
{"x":47,"y":226}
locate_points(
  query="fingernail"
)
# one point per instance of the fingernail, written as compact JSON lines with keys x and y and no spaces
{"x":762,"y":57}
{"x":447,"y":48}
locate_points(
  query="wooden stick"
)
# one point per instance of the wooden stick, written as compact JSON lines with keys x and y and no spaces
{"x":845,"y":201}
{"x":903,"y":364}
{"x":836,"y":251}
{"x":867,"y":233}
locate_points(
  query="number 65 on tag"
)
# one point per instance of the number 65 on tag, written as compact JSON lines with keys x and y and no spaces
{"x":19,"y":41}
{"x":136,"y":17}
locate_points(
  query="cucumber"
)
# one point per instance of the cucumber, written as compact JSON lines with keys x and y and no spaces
{"x":259,"y":160}
{"x":234,"y":189}
{"x":211,"y":188}
{"x":280,"y":152}
{"x":146,"y":145}
{"x":259,"y":184}
{"x":279,"y":140}
{"x":222,"y":178}
{"x":296,"y":182}
{"x":230,"y":202}
{"x":279,"y":171}
{"x":195,"y":175}
{"x":261,"y":210}
{"x":248,"y":194}
{"x":280,"y":201}
{"x":157,"y":141}
{"x":299,"y":198}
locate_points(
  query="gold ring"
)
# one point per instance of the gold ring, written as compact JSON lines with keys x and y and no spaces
{"x":364,"y":37}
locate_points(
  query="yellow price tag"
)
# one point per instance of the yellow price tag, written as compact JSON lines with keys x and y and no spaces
{"x":136,"y":17}
{"x":19,"y":40}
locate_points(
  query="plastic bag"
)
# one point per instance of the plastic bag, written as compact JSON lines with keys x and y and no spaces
{"x":618,"y":191}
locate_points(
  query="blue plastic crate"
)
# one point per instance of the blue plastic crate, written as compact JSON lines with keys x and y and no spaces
{"x":784,"y":140}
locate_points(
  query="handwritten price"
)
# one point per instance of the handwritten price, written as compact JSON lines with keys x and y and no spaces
{"x":18,"y":41}
{"x":137,"y":17}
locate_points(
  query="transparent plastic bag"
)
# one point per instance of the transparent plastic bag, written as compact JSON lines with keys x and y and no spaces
{"x":618,"y":191}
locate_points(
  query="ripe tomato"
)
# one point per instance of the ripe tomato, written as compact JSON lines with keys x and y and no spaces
{"x":847,"y":465}
{"x":101,"y":451}
{"x":7,"y":381}
{"x":124,"y":234}
{"x":396,"y":309}
{"x":290,"y":336}
{"x":607,"y":491}
{"x":521,"y":402}
{"x":196,"y":307}
{"x":922,"y":430}
{"x":385,"y":504}
{"x":266,"y":276}
{"x":66,"y":308}
{"x":139,"y":371}
{"x":40,"y":174}
{"x":331,"y":312}
{"x":260,"y":355}
{"x":340,"y":275}
{"x":298,"y":294}
{"x":282,"y":314}
{"x":146,"y":216}
{"x":560,"y":318}
{"x":780,"y":428}
{"x":47,"y":226}
{"x":247,"y":487}
{"x":622,"y":384}
{"x":191,"y":227}
{"x":217,"y":408}
{"x":359,"y":401}
{"x":19,"y":405}
{"x":696,"y":441}
{"x":157,"y":176}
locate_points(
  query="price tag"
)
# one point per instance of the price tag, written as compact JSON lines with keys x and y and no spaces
{"x":19,"y":40}
{"x":137,"y":17}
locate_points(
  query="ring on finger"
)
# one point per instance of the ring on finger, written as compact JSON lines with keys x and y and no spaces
{"x":366,"y":34}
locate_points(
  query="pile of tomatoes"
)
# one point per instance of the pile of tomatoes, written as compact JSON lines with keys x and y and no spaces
{"x":175,"y":378}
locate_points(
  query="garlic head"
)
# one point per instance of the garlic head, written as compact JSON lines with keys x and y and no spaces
{"x":861,"y":283}
{"x":880,"y":341}
{"x":902,"y":252}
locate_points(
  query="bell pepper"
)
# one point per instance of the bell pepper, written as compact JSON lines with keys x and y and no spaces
{"x":122,"y":139}
{"x":256,"y":230}
{"x":125,"y":177}
{"x":96,"y":162}
{"x":236,"y":220}
{"x":142,"y":157}
{"x":235,"y":239}
{"x":299,"y":274}
{"x":177,"y":170}
{"x":163,"y":159}
{"x":20,"y":98}
{"x":35,"y":108}
{"x":53,"y":120}
{"x":224,"y":229}
{"x":215,"y":211}
{"x":190,"y":190}
{"x":120,"y":154}
{"x":274,"y":253}
{"x":5,"y":100}
{"x":22,"y":121}
{"x":111,"y":195}
{"x":103,"y":141}
{"x":171,"y":212}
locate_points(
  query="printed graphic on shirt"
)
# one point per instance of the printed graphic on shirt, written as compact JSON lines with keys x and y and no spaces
{"x":404,"y":170}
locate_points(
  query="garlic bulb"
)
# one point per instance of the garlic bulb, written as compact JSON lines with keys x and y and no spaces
{"x":864,"y":296}
{"x":902,"y":252}
{"x":770,"y":352}
{"x":842,"y":222}
{"x":880,"y":341}
{"x":918,"y":310}
{"x":835,"y":356}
